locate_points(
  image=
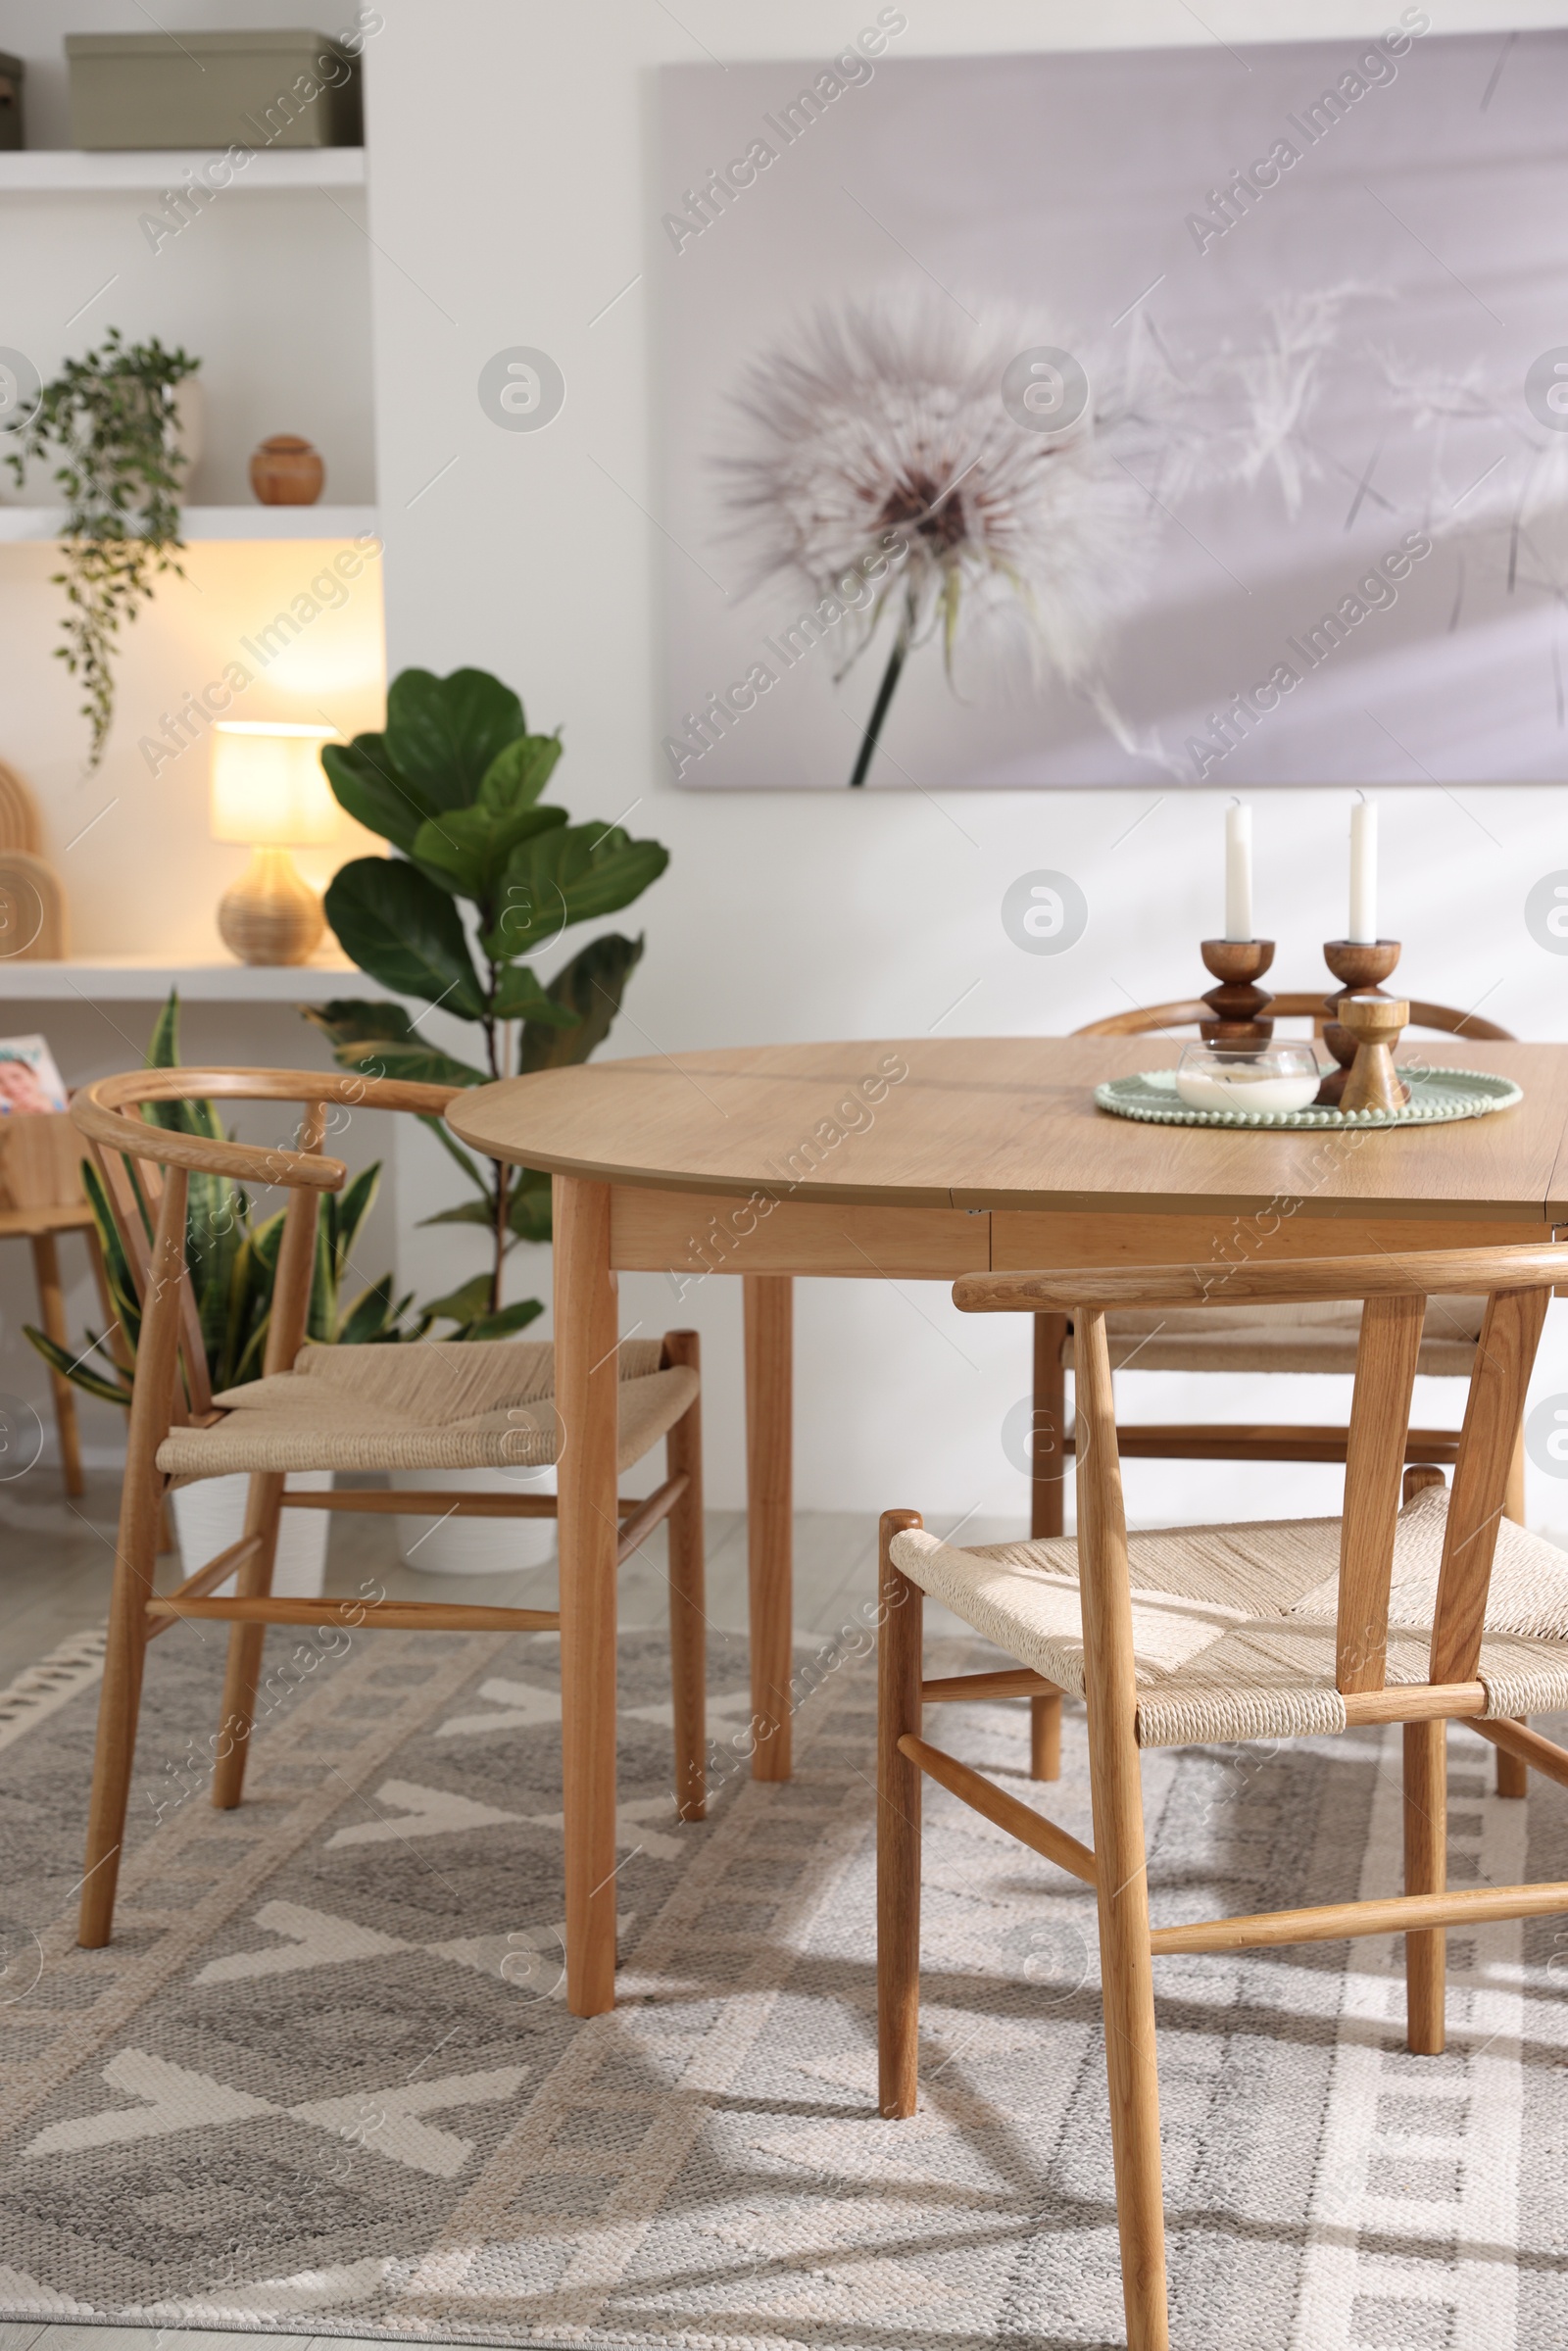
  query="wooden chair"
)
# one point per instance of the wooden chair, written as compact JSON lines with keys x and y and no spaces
{"x":1476,"y":1630}
{"x":42,"y":1198}
{"x":430,"y":1405}
{"x":1294,"y":1338}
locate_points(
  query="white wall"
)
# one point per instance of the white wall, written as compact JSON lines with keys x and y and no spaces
{"x":512,"y":197}
{"x":534,"y":202}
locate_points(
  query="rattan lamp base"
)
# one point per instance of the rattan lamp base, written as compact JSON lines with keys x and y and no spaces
{"x":272,"y":915}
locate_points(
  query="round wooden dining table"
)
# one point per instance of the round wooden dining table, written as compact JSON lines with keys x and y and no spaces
{"x":910,"y":1161}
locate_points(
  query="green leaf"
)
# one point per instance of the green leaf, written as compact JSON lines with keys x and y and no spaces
{"x":347,"y":1020}
{"x":512,"y":1318}
{"x":588,"y":992}
{"x":370,"y":1316}
{"x":366,"y":781}
{"x":400,"y":928}
{"x":521,"y":995}
{"x":344,"y":1213}
{"x":72,"y":1368}
{"x":444,"y":732}
{"x":528,"y":1212}
{"x":162,"y":1053}
{"x":567,"y":877}
{"x":116,"y":1265}
{"x":449,"y":1143}
{"x":469,"y":1299}
{"x":421,"y":1064}
{"x":516,"y":775}
{"x":468,"y":1211}
{"x":162,"y":1050}
{"x":467,"y":849}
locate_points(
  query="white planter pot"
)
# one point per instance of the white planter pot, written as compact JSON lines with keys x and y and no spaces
{"x":211,"y":1515}
{"x":475,"y":1546}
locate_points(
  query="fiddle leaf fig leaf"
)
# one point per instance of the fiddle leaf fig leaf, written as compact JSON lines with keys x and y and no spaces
{"x":521,"y":996}
{"x":355,"y":1021}
{"x":570,"y":876}
{"x":516,"y":775}
{"x":421,"y":1064}
{"x":397,"y":925}
{"x":586,"y":994}
{"x":445,"y":732}
{"x":466,"y":849}
{"x":366,"y":781}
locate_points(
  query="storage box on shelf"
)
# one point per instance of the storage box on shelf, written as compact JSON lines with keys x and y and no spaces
{"x":286,"y":88}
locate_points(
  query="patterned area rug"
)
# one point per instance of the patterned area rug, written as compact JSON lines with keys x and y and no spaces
{"x":325,"y":2080}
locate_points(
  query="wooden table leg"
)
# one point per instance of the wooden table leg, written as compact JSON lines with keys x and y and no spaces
{"x":769,"y":1509}
{"x":587,"y":1401}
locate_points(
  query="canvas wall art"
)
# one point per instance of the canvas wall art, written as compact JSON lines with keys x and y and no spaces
{"x":1170,"y":417}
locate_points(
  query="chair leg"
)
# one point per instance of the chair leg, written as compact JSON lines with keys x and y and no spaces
{"x":1047,"y":1487}
{"x":1426,"y":1853}
{"x":119,"y":1702}
{"x":141,"y":1502}
{"x":1513,"y":1775}
{"x":1121,"y":1881}
{"x":244,"y":1670}
{"x":52,"y":1316}
{"x":1127,"y":1991}
{"x":688,"y":1619}
{"x":1045,"y":1736}
{"x":897,"y":1827}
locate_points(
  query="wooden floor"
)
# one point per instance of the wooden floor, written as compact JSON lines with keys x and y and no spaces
{"x":54,"y":1564}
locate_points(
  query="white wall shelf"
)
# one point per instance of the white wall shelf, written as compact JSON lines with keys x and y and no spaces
{"x":22,"y":524}
{"x":73,"y":172}
{"x":148,"y":979}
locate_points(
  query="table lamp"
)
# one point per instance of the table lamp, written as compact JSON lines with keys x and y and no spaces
{"x":270,"y":793}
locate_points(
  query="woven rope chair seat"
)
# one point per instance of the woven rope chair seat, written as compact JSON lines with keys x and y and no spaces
{"x":1279,"y":1339}
{"x":445,"y":1404}
{"x":1233,"y":1627}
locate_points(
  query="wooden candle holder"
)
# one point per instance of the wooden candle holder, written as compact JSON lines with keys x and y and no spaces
{"x":1360,"y":965}
{"x":1375,"y":1022}
{"x":1237,"y":1004}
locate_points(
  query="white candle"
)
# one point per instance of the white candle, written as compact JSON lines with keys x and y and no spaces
{"x":1364,"y":930}
{"x":1237,"y":871}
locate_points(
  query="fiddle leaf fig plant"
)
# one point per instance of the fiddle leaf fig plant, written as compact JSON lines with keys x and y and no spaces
{"x":110,"y":416}
{"x":485,"y":880}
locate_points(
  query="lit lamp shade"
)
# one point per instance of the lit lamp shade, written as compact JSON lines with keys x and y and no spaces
{"x":269,"y":792}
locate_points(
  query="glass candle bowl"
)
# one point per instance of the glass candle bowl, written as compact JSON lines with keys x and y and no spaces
{"x":1248,"y":1077}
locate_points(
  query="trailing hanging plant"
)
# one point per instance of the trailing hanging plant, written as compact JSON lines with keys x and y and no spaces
{"x":112,"y":418}
{"x":453,"y":783}
{"x":232,"y":1265}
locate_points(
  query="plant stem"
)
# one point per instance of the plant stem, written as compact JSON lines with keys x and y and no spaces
{"x":879,"y":709}
{"x":496,"y":1055}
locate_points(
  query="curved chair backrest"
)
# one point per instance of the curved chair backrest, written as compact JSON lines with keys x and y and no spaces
{"x":1395,"y":1288}
{"x":146,"y":1171}
{"x":1144,"y":1019}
